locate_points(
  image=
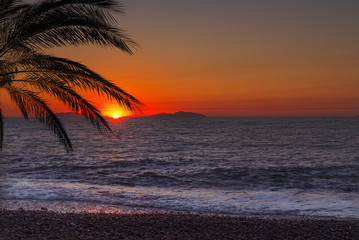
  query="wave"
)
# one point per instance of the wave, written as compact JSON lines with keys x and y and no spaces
{"x":218,"y":164}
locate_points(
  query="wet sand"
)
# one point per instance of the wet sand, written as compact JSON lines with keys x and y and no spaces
{"x":44,"y":224}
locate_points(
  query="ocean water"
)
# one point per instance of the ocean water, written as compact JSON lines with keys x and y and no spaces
{"x":291,"y":166}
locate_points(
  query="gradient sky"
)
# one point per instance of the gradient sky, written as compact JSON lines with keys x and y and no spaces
{"x":233,"y":58}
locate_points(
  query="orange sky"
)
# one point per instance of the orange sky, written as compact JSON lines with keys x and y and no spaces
{"x":233,"y":58}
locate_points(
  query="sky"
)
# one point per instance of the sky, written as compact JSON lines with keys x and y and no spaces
{"x":232,"y":58}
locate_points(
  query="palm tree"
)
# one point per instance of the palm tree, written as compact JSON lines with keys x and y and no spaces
{"x":26,"y":71}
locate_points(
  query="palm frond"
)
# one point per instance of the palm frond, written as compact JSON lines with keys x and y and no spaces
{"x":30,"y":103}
{"x":51,"y":85}
{"x":59,"y":23}
{"x":77,"y":75}
{"x":78,"y":33}
{"x":9,"y":5}
{"x":9,"y":18}
{"x":27,"y":28}
{"x":48,"y":5}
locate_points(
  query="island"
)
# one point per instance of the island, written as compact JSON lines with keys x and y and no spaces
{"x":180,"y":114}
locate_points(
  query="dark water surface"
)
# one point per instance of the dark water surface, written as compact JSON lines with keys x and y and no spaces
{"x":300,"y":166}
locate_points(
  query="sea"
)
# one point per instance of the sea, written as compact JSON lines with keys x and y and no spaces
{"x":240,"y":166}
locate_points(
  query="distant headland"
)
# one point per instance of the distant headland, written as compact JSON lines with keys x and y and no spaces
{"x":180,"y":114}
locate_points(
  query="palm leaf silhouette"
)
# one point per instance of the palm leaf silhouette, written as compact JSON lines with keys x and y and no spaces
{"x":26,"y":71}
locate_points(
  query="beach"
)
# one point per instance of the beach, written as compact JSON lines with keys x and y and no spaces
{"x":242,"y":166}
{"x":20,"y":224}
{"x":212,"y":178}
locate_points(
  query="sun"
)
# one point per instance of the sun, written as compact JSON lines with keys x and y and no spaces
{"x":115,"y":116}
{"x":115,"y":113}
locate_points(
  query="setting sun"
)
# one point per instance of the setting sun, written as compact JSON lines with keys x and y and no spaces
{"x":116,"y":116}
{"x":114,"y":111}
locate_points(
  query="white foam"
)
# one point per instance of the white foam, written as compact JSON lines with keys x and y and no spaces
{"x":289,"y":202}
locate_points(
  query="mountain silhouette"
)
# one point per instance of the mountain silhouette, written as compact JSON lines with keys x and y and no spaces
{"x":180,"y":114}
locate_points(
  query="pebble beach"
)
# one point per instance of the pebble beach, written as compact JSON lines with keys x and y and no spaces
{"x":21,"y":224}
{"x":232,"y":179}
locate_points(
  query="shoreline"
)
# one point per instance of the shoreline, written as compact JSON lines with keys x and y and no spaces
{"x":69,"y":206}
{"x":43,"y":219}
{"x":21,"y":224}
